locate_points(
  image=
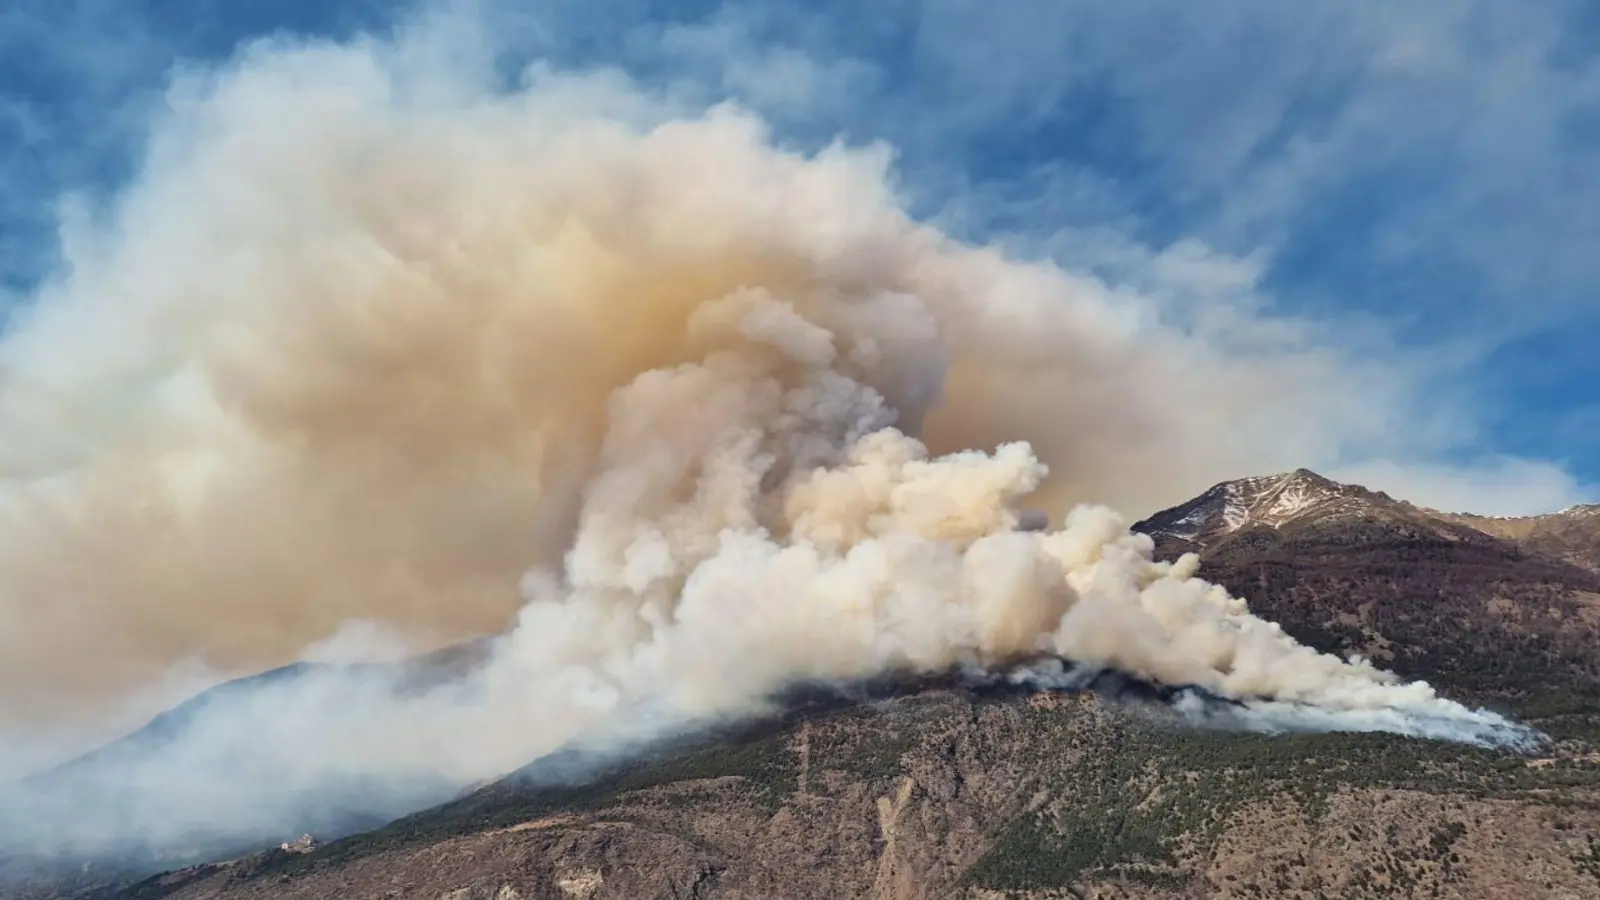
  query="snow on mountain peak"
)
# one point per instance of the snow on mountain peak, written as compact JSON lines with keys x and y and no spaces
{"x":1302,"y":496}
{"x":1266,"y":500}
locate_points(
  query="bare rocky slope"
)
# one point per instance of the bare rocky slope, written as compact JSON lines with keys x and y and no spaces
{"x":950,"y":791}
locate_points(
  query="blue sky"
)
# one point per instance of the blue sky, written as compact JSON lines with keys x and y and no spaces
{"x":1419,"y":181}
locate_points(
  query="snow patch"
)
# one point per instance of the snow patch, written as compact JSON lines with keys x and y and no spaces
{"x":1271,"y":500}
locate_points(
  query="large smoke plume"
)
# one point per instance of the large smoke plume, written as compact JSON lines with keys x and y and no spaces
{"x":686,"y":416}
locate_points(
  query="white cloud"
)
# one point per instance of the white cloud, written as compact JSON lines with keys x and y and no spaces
{"x":1495,"y":486}
{"x":783,"y":81}
{"x":1466,"y":128}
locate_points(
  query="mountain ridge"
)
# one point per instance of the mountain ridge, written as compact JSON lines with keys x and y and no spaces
{"x":1036,"y":794}
{"x":1303,"y":497}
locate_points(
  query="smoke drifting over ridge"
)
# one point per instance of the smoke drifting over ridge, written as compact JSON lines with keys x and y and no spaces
{"x":691,"y":416}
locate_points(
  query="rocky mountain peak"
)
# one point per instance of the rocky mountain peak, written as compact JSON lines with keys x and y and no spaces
{"x":1581,"y":511}
{"x":1271,"y":500}
{"x":1303,"y":497}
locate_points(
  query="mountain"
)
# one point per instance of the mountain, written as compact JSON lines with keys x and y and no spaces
{"x":1573,"y":534}
{"x":128,"y":784}
{"x":1291,"y":500}
{"x":945,"y":789}
{"x":1273,"y":500}
{"x":962,"y":793}
{"x":1478,"y":606}
{"x":171,"y":726}
{"x":1245,"y":510}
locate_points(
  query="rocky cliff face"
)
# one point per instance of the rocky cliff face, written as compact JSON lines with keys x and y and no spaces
{"x":955,"y":792}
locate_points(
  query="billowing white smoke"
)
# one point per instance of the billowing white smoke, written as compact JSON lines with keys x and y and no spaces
{"x":1437,"y":719}
{"x":368,"y":345}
